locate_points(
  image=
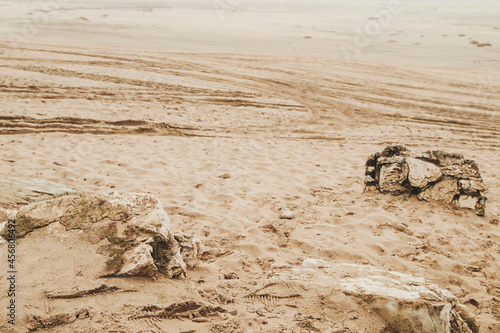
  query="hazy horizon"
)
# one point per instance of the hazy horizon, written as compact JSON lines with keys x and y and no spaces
{"x":429,"y":33}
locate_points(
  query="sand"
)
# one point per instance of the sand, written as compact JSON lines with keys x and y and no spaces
{"x":228,"y":130}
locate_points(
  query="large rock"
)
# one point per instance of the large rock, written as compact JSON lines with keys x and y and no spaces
{"x":422,"y":173}
{"x":406,"y":303}
{"x":17,"y":190}
{"x":133,"y":212}
{"x":133,"y":229}
{"x":433,"y":175}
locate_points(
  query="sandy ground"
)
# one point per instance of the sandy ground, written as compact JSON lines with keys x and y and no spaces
{"x":225,"y":140}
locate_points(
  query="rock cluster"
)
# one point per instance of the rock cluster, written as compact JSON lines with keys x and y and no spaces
{"x":132,"y":228}
{"x":433,"y":175}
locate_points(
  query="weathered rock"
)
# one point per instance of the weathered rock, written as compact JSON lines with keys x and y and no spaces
{"x":175,"y":267}
{"x":135,"y":226}
{"x":372,"y":161}
{"x":5,"y":216}
{"x":471,"y":187}
{"x":433,"y":175}
{"x":466,"y":201}
{"x":406,"y":303}
{"x":395,"y":149}
{"x":422,"y":173}
{"x":141,"y":212}
{"x":391,"y":174}
{"x":138,"y":262}
{"x":190,"y":249}
{"x":21,"y":191}
{"x":446,"y":190}
{"x":442,"y":158}
{"x":480,"y":207}
{"x":464,"y":316}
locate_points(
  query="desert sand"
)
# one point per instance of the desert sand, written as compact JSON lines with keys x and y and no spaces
{"x":229,"y":115}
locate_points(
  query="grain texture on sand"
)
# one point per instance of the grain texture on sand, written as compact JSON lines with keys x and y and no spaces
{"x":225,"y":141}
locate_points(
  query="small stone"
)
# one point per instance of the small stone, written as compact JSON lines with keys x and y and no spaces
{"x":138,"y":262}
{"x":190,"y":249}
{"x":231,"y":276}
{"x":480,"y":208}
{"x":286,"y":213}
{"x":369,"y":181}
{"x":225,"y":176}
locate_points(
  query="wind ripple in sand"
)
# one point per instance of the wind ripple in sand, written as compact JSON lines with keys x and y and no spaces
{"x":221,"y":95}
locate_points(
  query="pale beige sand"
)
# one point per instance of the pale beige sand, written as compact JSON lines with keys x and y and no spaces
{"x":291,"y":132}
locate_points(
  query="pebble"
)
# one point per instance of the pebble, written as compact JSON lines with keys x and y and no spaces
{"x":286,"y":213}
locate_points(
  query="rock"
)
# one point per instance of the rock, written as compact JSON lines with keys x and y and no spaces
{"x":175,"y":266}
{"x":471,"y":187}
{"x":467,"y":317}
{"x":446,"y":190}
{"x":442,"y":158}
{"x":5,"y":216}
{"x":391,"y":173}
{"x":422,"y":173}
{"x":21,"y":191}
{"x":406,"y":303}
{"x":190,"y":249}
{"x":286,"y":213}
{"x":141,"y":212}
{"x":395,"y":149}
{"x":433,"y":175}
{"x":135,"y":228}
{"x":231,"y":276}
{"x":138,"y":262}
{"x":369,"y":181}
{"x":480,"y":208}
{"x":372,"y":162}
{"x":466,"y":201}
